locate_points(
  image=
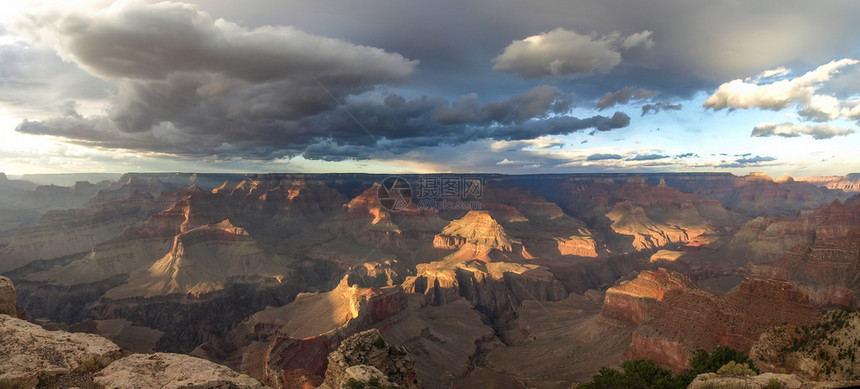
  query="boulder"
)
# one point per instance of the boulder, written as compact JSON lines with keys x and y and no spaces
{"x":8,"y":301}
{"x":171,"y":371}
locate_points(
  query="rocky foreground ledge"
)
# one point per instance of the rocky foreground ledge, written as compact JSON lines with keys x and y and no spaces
{"x":32,"y":356}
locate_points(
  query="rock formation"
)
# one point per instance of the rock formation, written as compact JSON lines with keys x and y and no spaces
{"x":62,"y":233}
{"x":8,"y":301}
{"x":495,"y":287}
{"x":284,"y":347}
{"x":825,"y":350}
{"x":507,"y":292}
{"x":644,"y":216}
{"x":366,"y":357}
{"x":170,"y":371}
{"x":203,"y":260}
{"x":847,"y":183}
{"x":30,"y":354}
{"x":675,"y":317}
{"x":787,"y":381}
{"x":824,"y":261}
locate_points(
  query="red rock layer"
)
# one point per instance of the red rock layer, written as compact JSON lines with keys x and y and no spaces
{"x":675,"y":317}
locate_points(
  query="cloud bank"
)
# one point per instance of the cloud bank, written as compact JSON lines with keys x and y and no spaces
{"x":192,"y":85}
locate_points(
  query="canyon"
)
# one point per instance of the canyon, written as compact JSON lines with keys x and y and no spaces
{"x":530,"y":281}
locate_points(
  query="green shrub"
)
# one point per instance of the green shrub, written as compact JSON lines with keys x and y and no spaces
{"x":645,"y":374}
{"x":379,"y":343}
{"x":352,"y":383}
{"x":736,"y":369}
{"x":773,"y":383}
{"x":704,"y":362}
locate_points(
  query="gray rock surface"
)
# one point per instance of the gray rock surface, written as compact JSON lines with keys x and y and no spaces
{"x":171,"y":371}
{"x":8,"y":302}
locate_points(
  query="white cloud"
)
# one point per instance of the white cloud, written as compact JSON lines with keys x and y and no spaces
{"x":776,"y":95}
{"x":638,"y":39}
{"x":771,"y":73}
{"x":563,"y":52}
{"x":791,"y":130}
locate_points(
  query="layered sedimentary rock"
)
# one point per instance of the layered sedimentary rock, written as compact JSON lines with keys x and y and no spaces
{"x":647,"y":216}
{"x":364,"y":221}
{"x":61,"y":233}
{"x":544,"y":229}
{"x":495,"y":287}
{"x":847,"y":183}
{"x":284,"y":347}
{"x":555,"y":344}
{"x":756,"y":194}
{"x":825,"y":350}
{"x":479,"y":236}
{"x":631,"y":300}
{"x":824,"y":263}
{"x":203,"y":260}
{"x":675,"y":317}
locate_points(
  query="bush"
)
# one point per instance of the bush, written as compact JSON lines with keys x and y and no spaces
{"x":704,"y":362}
{"x":352,"y":383}
{"x":645,"y":374}
{"x":379,"y":343}
{"x":773,"y":383}
{"x":736,"y":369}
{"x":638,"y":373}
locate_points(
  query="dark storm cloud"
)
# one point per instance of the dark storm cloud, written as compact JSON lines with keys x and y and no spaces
{"x":623,"y":96}
{"x":539,"y":101}
{"x":188,"y":84}
{"x":647,"y":157}
{"x":659,"y":106}
{"x":602,"y":157}
{"x":357,"y":129}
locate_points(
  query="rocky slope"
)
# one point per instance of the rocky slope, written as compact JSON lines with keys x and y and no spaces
{"x":366,"y":358}
{"x":496,"y":288}
{"x":675,"y":317}
{"x":31,"y":356}
{"x":787,"y":381}
{"x":643,"y":216}
{"x":474,"y":295}
{"x":63,"y":233}
{"x":848,"y":183}
{"x":824,"y":262}
{"x":201,"y":261}
{"x":287,"y":346}
{"x":825,"y":350}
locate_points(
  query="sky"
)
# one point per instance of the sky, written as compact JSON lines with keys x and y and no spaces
{"x":384,"y":86}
